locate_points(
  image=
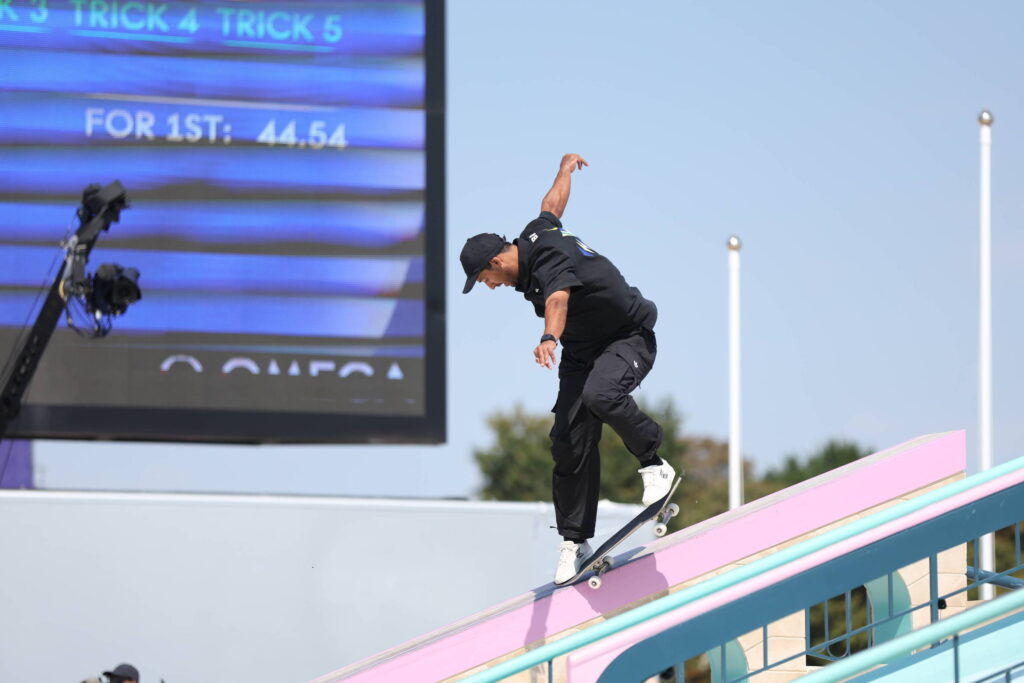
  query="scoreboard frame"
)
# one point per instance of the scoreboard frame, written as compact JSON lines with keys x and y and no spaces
{"x":265,"y":427}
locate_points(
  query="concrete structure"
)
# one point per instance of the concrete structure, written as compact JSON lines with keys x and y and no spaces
{"x":250,"y":588}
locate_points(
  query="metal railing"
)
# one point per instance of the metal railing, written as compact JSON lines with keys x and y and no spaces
{"x":931,"y":635}
{"x":1008,"y":674}
{"x":976,"y":577}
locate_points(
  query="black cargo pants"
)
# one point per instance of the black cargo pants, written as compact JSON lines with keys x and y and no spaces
{"x":589,"y":395}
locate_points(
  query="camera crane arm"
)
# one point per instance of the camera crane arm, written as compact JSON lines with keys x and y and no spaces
{"x":100,"y":207}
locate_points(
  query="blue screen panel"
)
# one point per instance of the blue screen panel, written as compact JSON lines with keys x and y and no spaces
{"x":284,"y":168}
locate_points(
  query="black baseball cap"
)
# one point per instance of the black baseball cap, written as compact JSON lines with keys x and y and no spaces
{"x":477,"y":253}
{"x":123,"y":672}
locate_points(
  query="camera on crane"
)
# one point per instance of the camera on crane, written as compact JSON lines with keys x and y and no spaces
{"x":113,"y":289}
{"x":109,"y":291}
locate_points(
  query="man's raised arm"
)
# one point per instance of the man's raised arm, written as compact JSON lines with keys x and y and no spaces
{"x":558,"y":196}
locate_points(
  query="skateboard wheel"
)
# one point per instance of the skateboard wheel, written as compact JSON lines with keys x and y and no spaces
{"x":660,"y":530}
{"x":608,"y":563}
{"x":594,"y":582}
{"x":673,"y":509}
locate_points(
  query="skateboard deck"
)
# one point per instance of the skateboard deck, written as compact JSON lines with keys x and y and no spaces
{"x":600,"y":561}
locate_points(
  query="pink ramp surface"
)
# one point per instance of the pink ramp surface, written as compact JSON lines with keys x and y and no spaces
{"x":679,"y":557}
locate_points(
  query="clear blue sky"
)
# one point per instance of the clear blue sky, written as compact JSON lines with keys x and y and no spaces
{"x":838,"y":140}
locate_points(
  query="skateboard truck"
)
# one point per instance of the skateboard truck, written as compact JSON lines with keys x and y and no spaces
{"x":661,"y":526}
{"x":600,"y":568}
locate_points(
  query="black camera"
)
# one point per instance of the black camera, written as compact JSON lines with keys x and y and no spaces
{"x":113,"y":288}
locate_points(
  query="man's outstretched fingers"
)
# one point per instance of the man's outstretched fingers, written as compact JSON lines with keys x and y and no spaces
{"x":544,"y":356}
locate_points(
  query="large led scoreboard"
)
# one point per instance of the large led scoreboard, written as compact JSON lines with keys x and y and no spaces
{"x":284,"y":163}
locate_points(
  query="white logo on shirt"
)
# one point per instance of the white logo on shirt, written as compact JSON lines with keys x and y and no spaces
{"x":533,"y":237}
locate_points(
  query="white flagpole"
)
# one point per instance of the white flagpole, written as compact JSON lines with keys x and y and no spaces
{"x":987,"y":549}
{"x":735,"y":438}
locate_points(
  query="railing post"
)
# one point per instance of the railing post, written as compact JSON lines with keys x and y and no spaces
{"x":933,"y":586}
{"x":764,"y":646}
{"x":956,"y":658}
{"x":849,"y":622}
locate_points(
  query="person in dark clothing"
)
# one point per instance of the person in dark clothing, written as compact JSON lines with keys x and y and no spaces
{"x":606,"y":329}
{"x":123,"y":673}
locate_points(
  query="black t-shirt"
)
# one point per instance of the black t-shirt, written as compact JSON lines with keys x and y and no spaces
{"x":602,"y":305}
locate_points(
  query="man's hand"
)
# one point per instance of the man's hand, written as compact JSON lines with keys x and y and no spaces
{"x":572,"y":162}
{"x":557,"y":197}
{"x":544,"y":354}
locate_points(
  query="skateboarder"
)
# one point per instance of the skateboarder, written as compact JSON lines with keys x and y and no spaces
{"x":606,"y":329}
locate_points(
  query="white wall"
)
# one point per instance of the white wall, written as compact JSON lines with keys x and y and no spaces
{"x":202,"y":588}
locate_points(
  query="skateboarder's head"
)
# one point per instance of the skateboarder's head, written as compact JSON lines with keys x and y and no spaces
{"x":123,"y":673}
{"x":488,"y":258}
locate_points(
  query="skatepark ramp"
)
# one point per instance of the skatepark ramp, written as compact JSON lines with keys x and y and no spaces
{"x":910,"y":559}
{"x":740,"y":586}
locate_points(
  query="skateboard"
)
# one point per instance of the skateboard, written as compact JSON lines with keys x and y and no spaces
{"x":600,"y":561}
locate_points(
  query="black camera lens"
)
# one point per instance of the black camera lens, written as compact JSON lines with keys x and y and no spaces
{"x":114,"y":288}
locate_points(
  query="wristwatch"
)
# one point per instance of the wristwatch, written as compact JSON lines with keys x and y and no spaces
{"x":549,"y":337}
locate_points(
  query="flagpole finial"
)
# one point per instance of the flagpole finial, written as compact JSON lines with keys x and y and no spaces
{"x":734,"y":243}
{"x":985,"y":118}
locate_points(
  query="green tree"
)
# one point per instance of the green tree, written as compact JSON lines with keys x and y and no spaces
{"x":517,"y":466}
{"x":1007,"y":558}
{"x":833,"y":454}
{"x":704,"y":492}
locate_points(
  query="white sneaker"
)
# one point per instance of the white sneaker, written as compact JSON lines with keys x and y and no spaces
{"x":657,"y":481}
{"x":570,"y":559}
